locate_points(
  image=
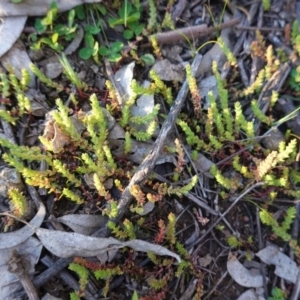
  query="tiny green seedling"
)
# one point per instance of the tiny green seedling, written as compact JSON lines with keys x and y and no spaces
{"x":91,"y":46}
{"x":129,"y":15}
{"x":57,"y":31}
{"x":70,"y":73}
{"x":112,"y":53}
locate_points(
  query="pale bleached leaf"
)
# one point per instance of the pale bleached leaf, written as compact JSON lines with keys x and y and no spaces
{"x":83,"y":224}
{"x":124,"y":77}
{"x":12,"y":239}
{"x":285,"y":267}
{"x":241,"y":275}
{"x":250,"y":295}
{"x":67,"y":244}
{"x":37,"y":7}
{"x":14,"y":26}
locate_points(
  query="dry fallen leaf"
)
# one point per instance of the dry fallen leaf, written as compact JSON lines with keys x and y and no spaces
{"x":12,"y":239}
{"x":124,"y":77}
{"x":75,"y":244}
{"x":83,"y":224}
{"x":285,"y":267}
{"x":250,"y":295}
{"x":37,"y":7}
{"x":241,"y":275}
{"x":10,"y":30}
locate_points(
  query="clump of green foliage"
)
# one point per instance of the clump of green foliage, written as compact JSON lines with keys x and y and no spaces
{"x":11,"y":87}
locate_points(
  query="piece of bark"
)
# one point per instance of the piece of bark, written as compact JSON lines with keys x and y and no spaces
{"x":190,"y":32}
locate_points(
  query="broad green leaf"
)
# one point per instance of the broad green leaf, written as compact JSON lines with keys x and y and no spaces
{"x":128,"y":34}
{"x":138,"y":30}
{"x":101,"y":8}
{"x":92,"y":29}
{"x":62,"y":29}
{"x":89,"y":40}
{"x":134,"y":17}
{"x":114,"y":22}
{"x":33,"y":37}
{"x":117,"y":46}
{"x":80,"y":12}
{"x":148,"y":59}
{"x":114,"y":57}
{"x":71,"y":17}
{"x":40,"y":28}
{"x":104,"y":51}
{"x":85,"y":53}
{"x":125,"y":10}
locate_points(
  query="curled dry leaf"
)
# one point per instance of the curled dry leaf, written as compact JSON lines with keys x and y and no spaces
{"x":83,"y":224}
{"x":124,"y":77}
{"x":241,"y":275}
{"x":12,"y":239}
{"x":75,"y":244}
{"x":285,"y":267}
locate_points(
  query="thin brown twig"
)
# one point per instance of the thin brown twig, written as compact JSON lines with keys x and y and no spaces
{"x":17,"y":265}
{"x":147,"y":166}
{"x":190,"y":32}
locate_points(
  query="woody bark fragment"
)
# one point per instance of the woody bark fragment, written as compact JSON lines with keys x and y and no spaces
{"x":190,"y":32}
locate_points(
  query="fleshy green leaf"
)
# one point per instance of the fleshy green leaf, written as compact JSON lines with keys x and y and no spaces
{"x":85,"y":53}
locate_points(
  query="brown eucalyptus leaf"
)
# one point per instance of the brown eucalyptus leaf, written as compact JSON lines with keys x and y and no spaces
{"x":83,"y":224}
{"x":68,"y":244}
{"x":12,"y":239}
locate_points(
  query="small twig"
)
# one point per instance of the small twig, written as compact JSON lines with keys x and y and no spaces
{"x":225,"y":213}
{"x":17,"y":266}
{"x":147,"y":166}
{"x":190,"y":32}
{"x":259,"y":28}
